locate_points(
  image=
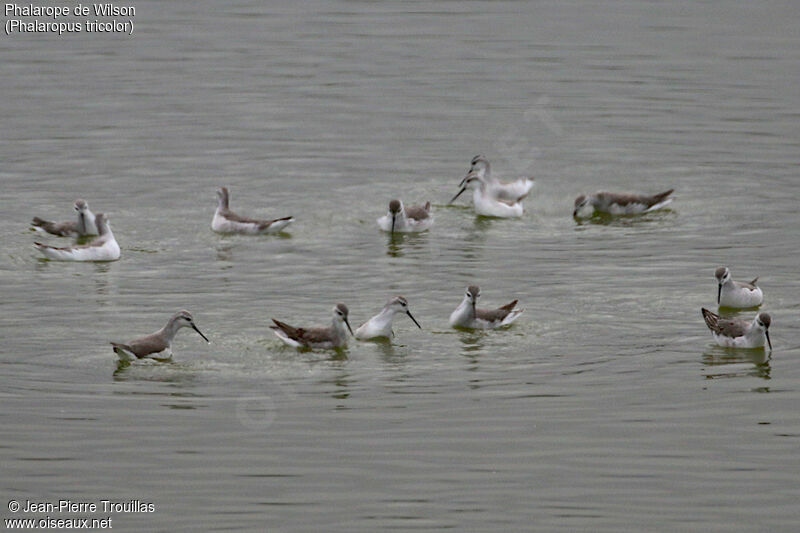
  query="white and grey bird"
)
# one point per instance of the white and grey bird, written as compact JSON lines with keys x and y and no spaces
{"x":381,"y":324}
{"x":226,"y":221}
{"x":485,"y":201}
{"x":102,"y":248}
{"x":467,"y":315}
{"x":157,"y":345}
{"x":509,"y":191}
{"x":736,"y":294}
{"x":406,"y":219}
{"x":83,"y":226}
{"x":737,"y":332}
{"x":334,"y":336}
{"x":610,"y":203}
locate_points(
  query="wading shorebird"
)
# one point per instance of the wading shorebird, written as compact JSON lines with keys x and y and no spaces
{"x":226,"y":221}
{"x":334,"y":336}
{"x":485,"y":202}
{"x":381,"y":324}
{"x":467,"y":315}
{"x":103,"y":248}
{"x":736,"y":294}
{"x":85,"y":225}
{"x":406,"y":219}
{"x":739,"y":333}
{"x":157,"y":345}
{"x":619,"y":204}
{"x":510,"y":191}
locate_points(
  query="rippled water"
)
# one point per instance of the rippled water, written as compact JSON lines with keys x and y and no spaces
{"x":605,"y":407}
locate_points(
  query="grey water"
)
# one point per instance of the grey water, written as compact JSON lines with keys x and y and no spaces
{"x":605,"y":407}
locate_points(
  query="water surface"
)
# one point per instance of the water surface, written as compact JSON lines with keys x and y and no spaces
{"x":605,"y":407}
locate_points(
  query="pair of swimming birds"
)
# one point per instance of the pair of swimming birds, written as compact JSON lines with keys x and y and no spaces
{"x":103,"y":247}
{"x":158,"y":345}
{"x":491,"y":197}
{"x":737,"y":332}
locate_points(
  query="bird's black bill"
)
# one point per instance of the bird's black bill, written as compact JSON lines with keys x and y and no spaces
{"x":457,"y":195}
{"x":348,"y":327}
{"x":200,"y":333}
{"x":768,"y":341}
{"x":393,"y":219}
{"x":413,"y":319}
{"x":719,"y":292}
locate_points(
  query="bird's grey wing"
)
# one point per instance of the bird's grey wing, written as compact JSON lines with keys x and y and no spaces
{"x":492,"y":315}
{"x":56,"y":228}
{"x":711,"y":320}
{"x":291,"y":331}
{"x":267,"y":223}
{"x":315,"y":335}
{"x":607,"y":198}
{"x":261,"y":223}
{"x":230,"y":215}
{"x":148,"y":345}
{"x":751,"y":285}
{"x":658,"y":198}
{"x":62,"y":248}
{"x":417,"y":212}
{"x":735,"y":327}
{"x":121,"y":346}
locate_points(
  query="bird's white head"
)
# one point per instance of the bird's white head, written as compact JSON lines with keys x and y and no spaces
{"x":399,"y":304}
{"x":340,"y":314}
{"x":723,"y":275}
{"x":583,"y":207}
{"x":763,"y":321}
{"x":222,"y":197}
{"x":480,"y":165}
{"x":472,"y":180}
{"x":184,"y":319}
{"x":395,"y":210}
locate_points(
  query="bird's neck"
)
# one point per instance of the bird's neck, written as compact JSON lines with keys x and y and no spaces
{"x":467,"y":308}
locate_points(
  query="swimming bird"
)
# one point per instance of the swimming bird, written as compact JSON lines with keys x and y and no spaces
{"x":334,"y":336}
{"x":84,"y":225}
{"x":226,"y":221}
{"x":619,"y":204}
{"x":467,"y":315}
{"x":736,"y":293}
{"x":157,"y":345}
{"x":103,"y":248}
{"x":406,"y":219}
{"x":513,"y":191}
{"x":381,"y":324}
{"x":485,"y":202}
{"x":739,"y":333}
